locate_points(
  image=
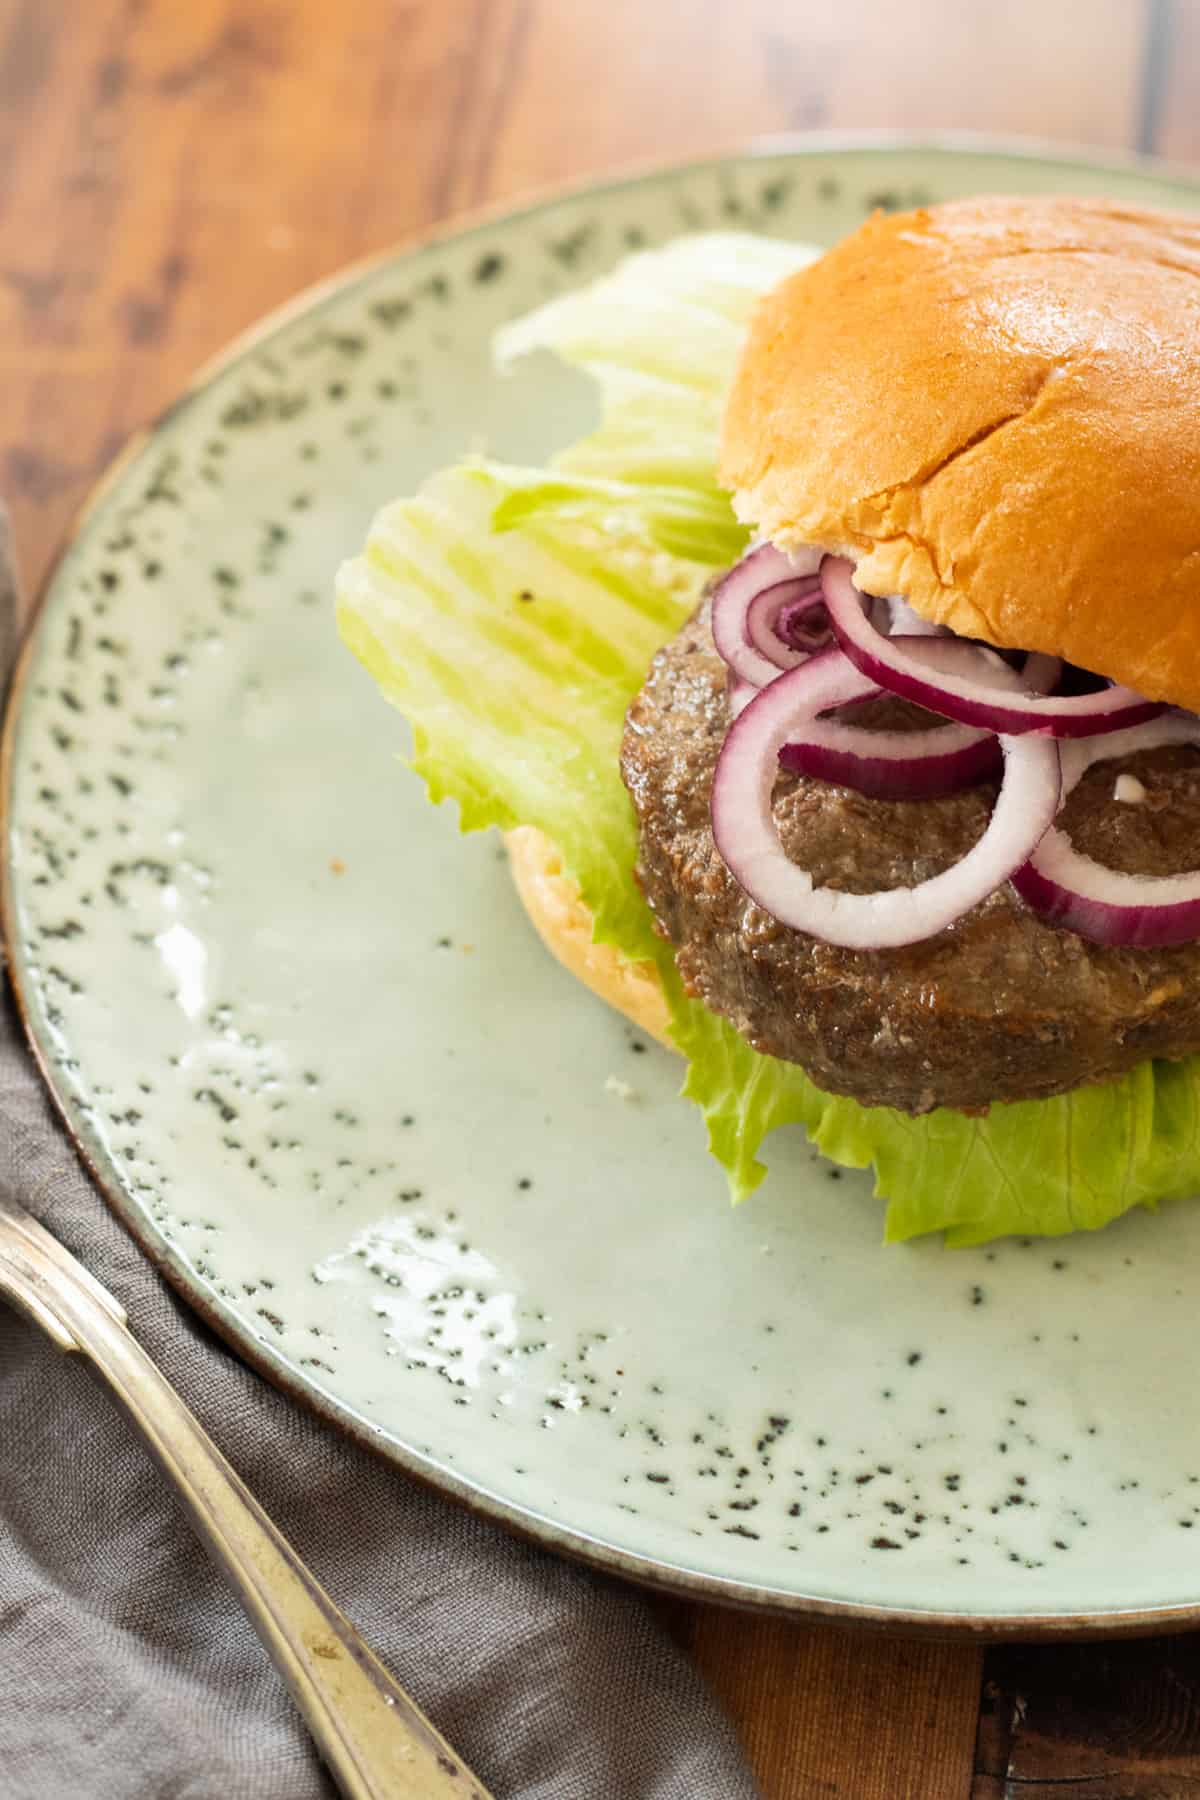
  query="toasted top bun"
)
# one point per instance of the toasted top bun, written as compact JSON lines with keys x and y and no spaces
{"x":994,"y":407}
{"x":564,"y":925}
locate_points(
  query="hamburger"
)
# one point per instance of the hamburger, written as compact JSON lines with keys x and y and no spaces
{"x":912,"y":788}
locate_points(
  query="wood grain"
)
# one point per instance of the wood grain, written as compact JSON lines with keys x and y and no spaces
{"x":169,"y":171}
{"x":1096,"y":1722}
{"x":163,"y":185}
{"x":682,"y":76}
{"x":839,"y":1714}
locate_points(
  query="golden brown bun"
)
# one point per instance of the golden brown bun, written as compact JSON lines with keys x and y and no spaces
{"x":564,"y":925}
{"x":994,"y":406}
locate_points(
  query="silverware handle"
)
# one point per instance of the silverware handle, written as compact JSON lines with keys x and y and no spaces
{"x":374,"y":1739}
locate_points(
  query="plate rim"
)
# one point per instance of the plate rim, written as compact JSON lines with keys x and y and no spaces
{"x":526,"y":1523}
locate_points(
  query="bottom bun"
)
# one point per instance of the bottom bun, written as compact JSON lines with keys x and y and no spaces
{"x":564,"y":924}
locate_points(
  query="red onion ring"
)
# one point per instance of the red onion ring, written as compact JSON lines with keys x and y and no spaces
{"x":894,"y":765}
{"x":745,"y":834}
{"x":938,"y":656}
{"x":912,"y":765}
{"x":1100,"y":904}
{"x":901,"y":765}
{"x":962,"y":696}
{"x":760,"y":569}
{"x":740,"y":693}
{"x":775,"y":622}
{"x":805,"y":622}
{"x":907,"y":623}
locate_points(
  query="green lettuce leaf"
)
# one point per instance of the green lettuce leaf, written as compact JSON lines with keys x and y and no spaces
{"x":1039,"y":1168}
{"x":510,"y":614}
{"x":660,"y":337}
{"x":514,"y":655}
{"x":691,"y":523}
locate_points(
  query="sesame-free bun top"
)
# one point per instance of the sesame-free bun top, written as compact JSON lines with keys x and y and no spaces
{"x":994,"y":407}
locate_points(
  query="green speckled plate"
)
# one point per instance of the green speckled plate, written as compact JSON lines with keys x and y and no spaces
{"x":326,"y":1074}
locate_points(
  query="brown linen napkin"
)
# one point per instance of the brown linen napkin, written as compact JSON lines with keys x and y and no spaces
{"x":128,"y":1672}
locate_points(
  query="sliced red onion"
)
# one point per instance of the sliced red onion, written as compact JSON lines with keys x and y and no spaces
{"x":1102,"y":904}
{"x":939,"y":657}
{"x":894,"y":765}
{"x":777,"y":622}
{"x":958,"y":692}
{"x":740,"y":693}
{"x":907,"y":623}
{"x":1040,"y":674}
{"x":761,"y":568}
{"x":1028,"y":675}
{"x":746,"y":837}
{"x":774,"y":623}
{"x":804,"y":622}
{"x":913,"y":765}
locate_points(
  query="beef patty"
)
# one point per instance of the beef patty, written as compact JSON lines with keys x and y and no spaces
{"x":999,"y":1006}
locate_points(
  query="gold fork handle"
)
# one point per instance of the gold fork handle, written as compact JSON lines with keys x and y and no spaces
{"x":374,"y":1739}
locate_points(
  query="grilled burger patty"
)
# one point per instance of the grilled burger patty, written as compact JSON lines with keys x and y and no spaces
{"x":1000,"y":1006}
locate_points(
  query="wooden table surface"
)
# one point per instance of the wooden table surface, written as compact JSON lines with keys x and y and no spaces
{"x":169,"y":169}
